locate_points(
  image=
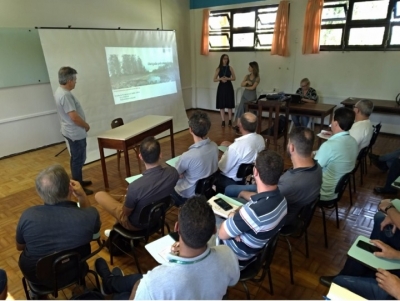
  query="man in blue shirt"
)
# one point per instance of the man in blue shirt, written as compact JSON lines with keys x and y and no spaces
{"x":338,"y":155}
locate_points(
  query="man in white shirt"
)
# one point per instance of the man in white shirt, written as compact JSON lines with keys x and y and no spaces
{"x":362,"y":128}
{"x":243,"y":150}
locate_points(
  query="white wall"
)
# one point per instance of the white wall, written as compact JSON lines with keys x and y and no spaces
{"x":28,"y":118}
{"x":335,"y":75}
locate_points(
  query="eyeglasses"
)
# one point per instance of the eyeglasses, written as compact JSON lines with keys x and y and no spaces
{"x":305,"y":86}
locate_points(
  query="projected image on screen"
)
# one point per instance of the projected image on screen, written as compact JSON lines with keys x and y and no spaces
{"x":139,"y":73}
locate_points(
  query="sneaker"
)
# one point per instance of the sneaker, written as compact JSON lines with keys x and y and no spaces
{"x":104,"y":272}
{"x":107,"y":232}
{"x":88,"y":191}
{"x":223,"y":124}
{"x":86,"y":183}
{"x":117,"y":272}
{"x":326,"y":280}
{"x":230,"y":123}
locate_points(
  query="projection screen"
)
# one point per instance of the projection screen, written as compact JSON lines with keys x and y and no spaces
{"x":121,"y":73}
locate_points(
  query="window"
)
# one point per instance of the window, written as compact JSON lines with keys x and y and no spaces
{"x":245,"y":29}
{"x":360,"y":25}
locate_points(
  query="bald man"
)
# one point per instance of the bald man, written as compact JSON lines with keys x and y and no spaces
{"x":243,"y":150}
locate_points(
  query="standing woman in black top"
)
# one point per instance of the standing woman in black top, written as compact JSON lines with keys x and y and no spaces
{"x":225,"y":94}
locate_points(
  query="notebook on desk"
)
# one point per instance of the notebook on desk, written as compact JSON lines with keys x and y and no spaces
{"x":295,"y":98}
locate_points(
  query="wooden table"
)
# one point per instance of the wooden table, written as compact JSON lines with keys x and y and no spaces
{"x":319,"y":110}
{"x":380,"y":106}
{"x":132,"y":133}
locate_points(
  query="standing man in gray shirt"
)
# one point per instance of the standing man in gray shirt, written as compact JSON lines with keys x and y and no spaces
{"x":73,"y":125}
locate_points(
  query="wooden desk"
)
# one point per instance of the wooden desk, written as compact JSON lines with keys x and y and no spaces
{"x":319,"y":110}
{"x":132,"y":133}
{"x":380,"y":106}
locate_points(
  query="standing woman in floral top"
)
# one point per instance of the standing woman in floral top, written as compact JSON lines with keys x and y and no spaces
{"x":308,"y":95}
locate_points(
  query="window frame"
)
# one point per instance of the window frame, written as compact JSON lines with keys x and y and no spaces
{"x":232,"y":31}
{"x":350,"y":24}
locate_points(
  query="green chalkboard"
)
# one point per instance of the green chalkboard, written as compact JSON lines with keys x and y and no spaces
{"x":21,"y":58}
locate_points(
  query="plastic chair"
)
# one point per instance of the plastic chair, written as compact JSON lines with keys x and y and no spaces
{"x":262,"y":263}
{"x":204,"y":186}
{"x":245,"y":170}
{"x":151,"y":220}
{"x":60,"y":270}
{"x":361,"y":159}
{"x":117,"y":122}
{"x":340,"y":188}
{"x":298,"y":229}
{"x":377,"y":130}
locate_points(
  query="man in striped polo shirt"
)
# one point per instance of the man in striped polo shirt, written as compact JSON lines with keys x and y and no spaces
{"x":247,"y":230}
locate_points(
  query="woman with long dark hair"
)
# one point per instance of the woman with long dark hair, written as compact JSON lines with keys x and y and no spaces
{"x":249,"y":83}
{"x":225,"y":94}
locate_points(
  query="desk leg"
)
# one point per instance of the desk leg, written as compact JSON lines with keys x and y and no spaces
{"x":126,"y":157}
{"x":103,"y":165}
{"x":171,"y":134}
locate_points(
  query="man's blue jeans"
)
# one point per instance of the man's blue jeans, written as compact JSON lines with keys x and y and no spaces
{"x":233,"y":190}
{"x":122,"y":286}
{"x":78,"y":157}
{"x":390,"y":157}
{"x":300,"y":120}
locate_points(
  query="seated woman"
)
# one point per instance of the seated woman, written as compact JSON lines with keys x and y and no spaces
{"x":308,"y":95}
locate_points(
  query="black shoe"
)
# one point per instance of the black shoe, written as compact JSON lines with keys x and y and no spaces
{"x":230,"y":123}
{"x":326,"y":280}
{"x":223,"y":124}
{"x":384,"y":190}
{"x":373,"y":157}
{"x":88,"y":191}
{"x":86,"y":183}
{"x":236,"y":128}
{"x":104,"y":272}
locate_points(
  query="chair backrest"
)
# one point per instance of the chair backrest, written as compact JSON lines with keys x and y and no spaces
{"x":377,"y":130}
{"x":152,"y":216}
{"x":306,"y":213}
{"x":117,"y":122}
{"x":204,"y":186}
{"x":267,"y":254}
{"x":342,"y":184}
{"x":59,"y":270}
{"x":363,"y":153}
{"x":245,"y":170}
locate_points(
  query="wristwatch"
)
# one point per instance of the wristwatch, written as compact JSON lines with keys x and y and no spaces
{"x":388,"y":207}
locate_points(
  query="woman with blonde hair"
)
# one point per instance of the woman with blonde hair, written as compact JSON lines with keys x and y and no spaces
{"x":249,"y":83}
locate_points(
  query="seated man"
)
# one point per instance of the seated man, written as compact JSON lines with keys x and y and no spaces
{"x":364,"y":281}
{"x":362,"y":128}
{"x":299,"y":185}
{"x":337,"y":156}
{"x":194,"y":271}
{"x":243,"y":150}
{"x":247,"y":230}
{"x":308,"y":95}
{"x":156,"y":183}
{"x":387,"y":162}
{"x":200,"y":161}
{"x":57,"y":225}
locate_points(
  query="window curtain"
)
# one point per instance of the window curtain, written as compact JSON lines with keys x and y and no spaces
{"x":280,"y":44}
{"x":204,"y":33}
{"x":312,"y":26}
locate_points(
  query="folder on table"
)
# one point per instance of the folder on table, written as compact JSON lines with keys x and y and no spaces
{"x":370,"y":259}
{"x":336,"y":292}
